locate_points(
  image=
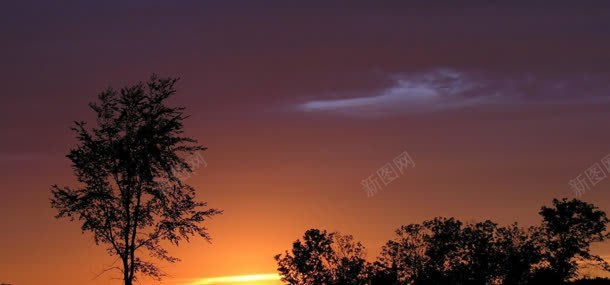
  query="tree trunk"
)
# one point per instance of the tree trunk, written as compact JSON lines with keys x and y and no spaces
{"x":126,"y":278}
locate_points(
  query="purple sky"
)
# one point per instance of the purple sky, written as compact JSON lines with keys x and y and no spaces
{"x":500,"y":104}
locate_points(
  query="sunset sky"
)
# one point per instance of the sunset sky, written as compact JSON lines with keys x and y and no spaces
{"x":499,"y":106}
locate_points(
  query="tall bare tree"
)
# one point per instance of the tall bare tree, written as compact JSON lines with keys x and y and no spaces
{"x":129,"y":195}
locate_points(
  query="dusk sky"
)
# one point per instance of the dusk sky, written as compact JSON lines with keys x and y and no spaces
{"x":499,"y":105}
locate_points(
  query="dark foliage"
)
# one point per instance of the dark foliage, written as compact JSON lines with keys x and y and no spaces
{"x":445,"y":251}
{"x":593,"y":281}
{"x":567,"y":231}
{"x":324,"y":258}
{"x":128,"y":195}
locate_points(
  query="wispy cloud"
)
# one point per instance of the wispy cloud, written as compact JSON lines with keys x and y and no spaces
{"x":446,"y":89}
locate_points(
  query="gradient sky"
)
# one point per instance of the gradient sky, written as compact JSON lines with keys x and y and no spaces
{"x":499,"y":105}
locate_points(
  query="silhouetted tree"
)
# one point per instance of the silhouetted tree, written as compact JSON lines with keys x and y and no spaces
{"x":382,"y":274}
{"x":480,"y":254}
{"x":404,"y":259}
{"x":444,"y":245}
{"x":445,"y":251}
{"x":427,"y":253}
{"x":567,"y":231}
{"x":324,"y":258}
{"x":518,"y":254}
{"x":128,"y":195}
{"x":351,"y":265}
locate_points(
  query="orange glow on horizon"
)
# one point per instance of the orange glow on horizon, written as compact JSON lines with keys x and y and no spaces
{"x":237,"y":279}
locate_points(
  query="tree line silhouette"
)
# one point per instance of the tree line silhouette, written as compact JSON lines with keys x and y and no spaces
{"x":446,"y":251}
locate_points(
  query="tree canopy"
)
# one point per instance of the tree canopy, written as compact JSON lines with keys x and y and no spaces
{"x":323,"y":258}
{"x":446,"y":251}
{"x":128,"y":194}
